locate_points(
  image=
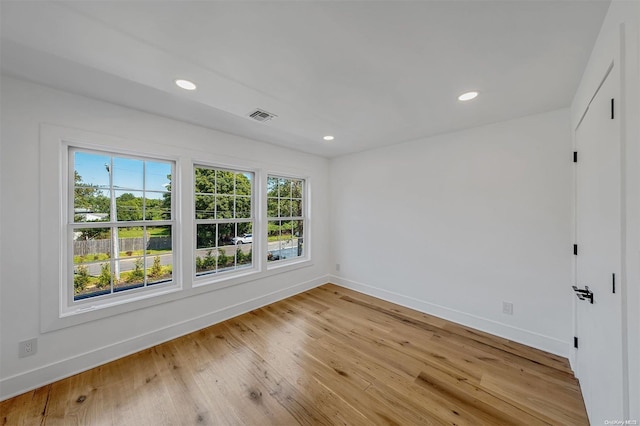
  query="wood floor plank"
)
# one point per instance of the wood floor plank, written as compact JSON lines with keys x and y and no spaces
{"x":483,"y":404}
{"x":325,"y":381}
{"x":25,"y":409}
{"x":328,"y":356}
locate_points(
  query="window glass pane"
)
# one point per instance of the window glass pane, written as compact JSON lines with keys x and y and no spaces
{"x":131,"y":273}
{"x":226,"y":258}
{"x":206,"y":260}
{"x":131,"y":241}
{"x":90,"y":280}
{"x":205,"y":206}
{"x":205,"y":180}
{"x":244,"y":255}
{"x":91,"y":245}
{"x":91,"y":182}
{"x":285,"y":188}
{"x":224,"y":206}
{"x":243,"y":207}
{"x":225,"y":182}
{"x":245,"y":228}
{"x":226,"y":233}
{"x":157,"y":176}
{"x":243,"y":183}
{"x":285,"y":208}
{"x":91,"y":205}
{"x":272,"y":207}
{"x":274,"y":236}
{"x":158,"y":240}
{"x":206,"y":235}
{"x":287,"y":230}
{"x":298,"y":237}
{"x":243,"y":234}
{"x":129,"y":205}
{"x":157,"y":206}
{"x":272,"y":186}
{"x":91,"y":169}
{"x":296,"y":208}
{"x":159,"y":268}
{"x":128,"y":173}
{"x":290,"y":244}
{"x":296,"y":188}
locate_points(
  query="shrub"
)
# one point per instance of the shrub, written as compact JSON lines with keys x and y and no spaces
{"x":104,"y":279}
{"x":206,"y":264}
{"x":137,"y":274}
{"x":223,"y":259}
{"x":209,"y":261}
{"x":81,"y":279}
{"x":156,"y":269}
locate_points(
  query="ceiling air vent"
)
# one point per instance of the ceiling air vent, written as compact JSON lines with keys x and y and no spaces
{"x":261,"y":115}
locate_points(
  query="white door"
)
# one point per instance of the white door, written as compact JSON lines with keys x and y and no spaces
{"x":598,"y":230}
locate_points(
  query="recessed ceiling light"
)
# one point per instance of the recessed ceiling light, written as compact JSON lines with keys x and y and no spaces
{"x":186,"y":84}
{"x":467,"y":96}
{"x":328,"y":138}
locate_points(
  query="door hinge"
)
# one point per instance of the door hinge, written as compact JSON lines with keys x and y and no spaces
{"x":575,"y":342}
{"x":612,"y":108}
{"x":575,"y":249}
{"x":575,"y":156}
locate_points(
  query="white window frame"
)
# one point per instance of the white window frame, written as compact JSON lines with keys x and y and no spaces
{"x":115,"y":296}
{"x":224,"y":277}
{"x":56,"y":251}
{"x":306,"y":256}
{"x":53,"y":242}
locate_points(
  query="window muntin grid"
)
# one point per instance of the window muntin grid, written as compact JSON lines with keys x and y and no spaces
{"x":224,"y":220}
{"x":120,"y":224}
{"x":285,"y":218}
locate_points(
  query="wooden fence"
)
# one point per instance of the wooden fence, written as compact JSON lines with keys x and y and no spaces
{"x":86,"y":247}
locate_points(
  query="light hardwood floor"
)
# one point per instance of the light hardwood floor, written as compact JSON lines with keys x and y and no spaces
{"x":327,"y":356}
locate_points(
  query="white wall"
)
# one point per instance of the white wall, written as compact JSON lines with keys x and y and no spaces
{"x":456,"y":224}
{"x":619,"y":40}
{"x":68,"y":350}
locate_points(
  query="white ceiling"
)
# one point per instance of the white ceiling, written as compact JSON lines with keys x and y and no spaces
{"x":371,"y":73}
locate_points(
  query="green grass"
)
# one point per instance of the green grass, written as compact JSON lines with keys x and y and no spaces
{"x":97,"y":257}
{"x":136,"y":232}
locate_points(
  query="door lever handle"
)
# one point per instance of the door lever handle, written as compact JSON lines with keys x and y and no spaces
{"x":583,"y":293}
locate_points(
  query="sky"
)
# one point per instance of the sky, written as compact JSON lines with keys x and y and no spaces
{"x":129,"y":174}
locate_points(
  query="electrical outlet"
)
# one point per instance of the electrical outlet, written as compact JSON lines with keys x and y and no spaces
{"x":507,"y":308}
{"x":338,"y":267}
{"x":28,"y":348}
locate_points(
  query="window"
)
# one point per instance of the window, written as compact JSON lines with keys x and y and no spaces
{"x":120,"y":224}
{"x":285,"y":218}
{"x":224,"y":220}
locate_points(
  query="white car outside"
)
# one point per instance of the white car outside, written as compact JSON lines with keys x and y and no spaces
{"x":245,"y":239}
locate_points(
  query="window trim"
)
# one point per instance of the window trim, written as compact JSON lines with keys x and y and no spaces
{"x":55,"y":142}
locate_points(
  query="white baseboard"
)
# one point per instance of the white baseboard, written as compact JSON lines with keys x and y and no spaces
{"x":535,"y":340}
{"x":33,"y":379}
